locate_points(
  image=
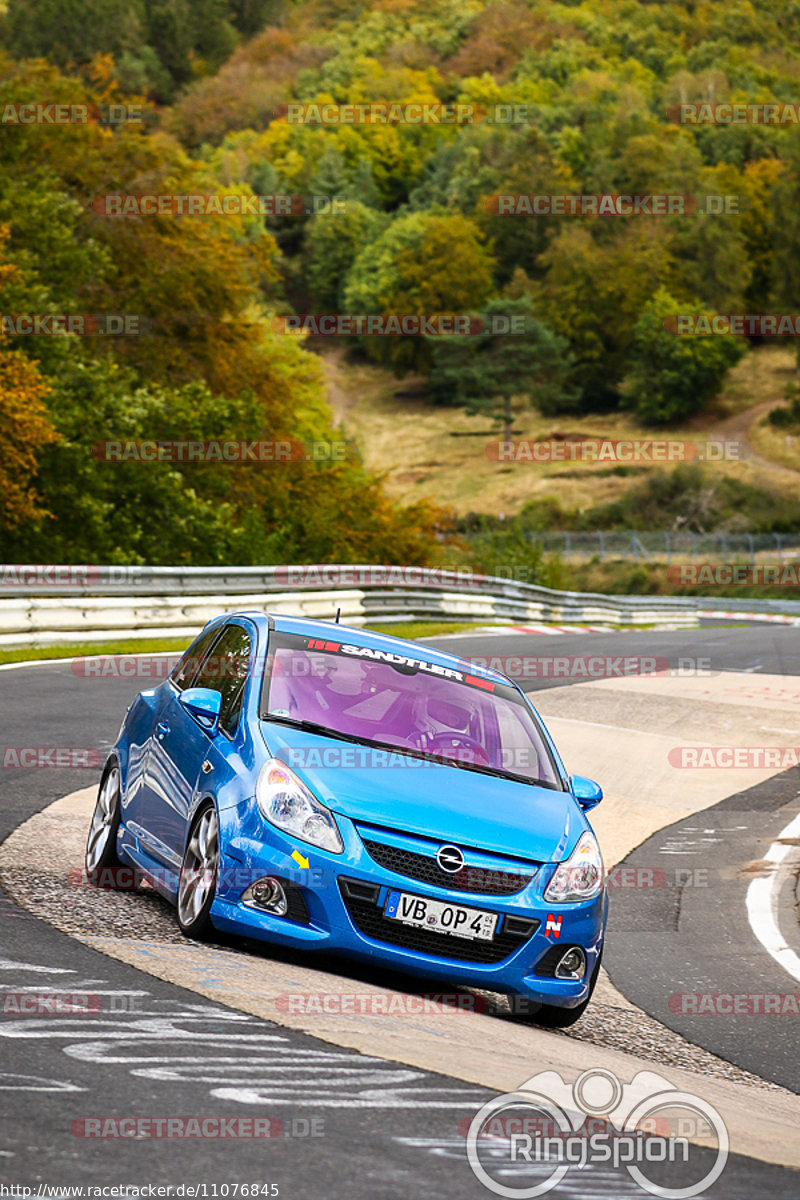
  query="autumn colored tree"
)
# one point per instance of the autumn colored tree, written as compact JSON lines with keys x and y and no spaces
{"x":24,"y":425}
{"x":423,"y":264}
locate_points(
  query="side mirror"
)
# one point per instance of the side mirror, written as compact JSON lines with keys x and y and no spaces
{"x":204,"y":705}
{"x":586,"y":791}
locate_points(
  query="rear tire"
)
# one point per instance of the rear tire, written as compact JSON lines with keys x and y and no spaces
{"x":197,"y":885}
{"x":104,"y":869}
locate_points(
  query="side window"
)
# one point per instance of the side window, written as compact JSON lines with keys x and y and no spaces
{"x":225,"y":671}
{"x":185,"y":671}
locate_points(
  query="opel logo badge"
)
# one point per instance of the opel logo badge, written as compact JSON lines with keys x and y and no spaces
{"x":450,"y":859}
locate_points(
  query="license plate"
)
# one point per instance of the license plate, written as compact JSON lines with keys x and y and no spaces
{"x":440,"y":917}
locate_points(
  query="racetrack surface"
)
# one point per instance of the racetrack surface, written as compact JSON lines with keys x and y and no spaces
{"x":375,"y":1149}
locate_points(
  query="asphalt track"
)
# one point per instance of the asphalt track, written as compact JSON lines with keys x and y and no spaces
{"x":694,"y":935}
{"x":402,"y":1138}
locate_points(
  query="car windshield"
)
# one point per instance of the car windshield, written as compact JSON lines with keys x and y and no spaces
{"x":380,"y":698}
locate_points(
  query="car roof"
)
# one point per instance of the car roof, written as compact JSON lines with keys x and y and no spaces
{"x":356,"y":636}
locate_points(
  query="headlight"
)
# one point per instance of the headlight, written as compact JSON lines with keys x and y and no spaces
{"x":288,"y":804}
{"x":581,"y":876}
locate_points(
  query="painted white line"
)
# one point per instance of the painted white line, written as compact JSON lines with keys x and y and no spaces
{"x":762,"y":903}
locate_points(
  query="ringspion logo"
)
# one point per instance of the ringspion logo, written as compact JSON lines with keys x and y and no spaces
{"x":646,"y":1123}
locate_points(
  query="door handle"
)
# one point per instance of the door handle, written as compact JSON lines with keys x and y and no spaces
{"x":206,"y":767}
{"x":162,"y":729}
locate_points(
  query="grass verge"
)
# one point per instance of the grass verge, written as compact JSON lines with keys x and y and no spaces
{"x":403,"y":629}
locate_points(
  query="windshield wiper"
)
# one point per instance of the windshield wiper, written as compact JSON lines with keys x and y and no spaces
{"x":442,"y":760}
{"x":302,"y":723}
{"x":325,"y":730}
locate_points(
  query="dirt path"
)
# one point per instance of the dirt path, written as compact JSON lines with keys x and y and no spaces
{"x":330,"y":357}
{"x":737,"y":429}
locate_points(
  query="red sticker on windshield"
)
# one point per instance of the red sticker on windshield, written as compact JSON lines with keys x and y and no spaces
{"x":318,"y":644}
{"x":481,"y":683}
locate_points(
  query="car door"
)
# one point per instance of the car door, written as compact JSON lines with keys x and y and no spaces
{"x":139,"y":808}
{"x":184,"y":753}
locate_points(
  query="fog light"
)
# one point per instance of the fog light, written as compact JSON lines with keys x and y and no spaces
{"x":572,"y":964}
{"x":267,"y":893}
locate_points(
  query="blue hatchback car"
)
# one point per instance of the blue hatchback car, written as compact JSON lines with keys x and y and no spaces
{"x":329,"y":788}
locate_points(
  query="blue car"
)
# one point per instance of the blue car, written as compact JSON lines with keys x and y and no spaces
{"x":328,"y":788}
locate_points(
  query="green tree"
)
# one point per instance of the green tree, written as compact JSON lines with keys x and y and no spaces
{"x":333,"y":241}
{"x":673,"y":376}
{"x":69,"y":32}
{"x":159,"y":44}
{"x":250,"y":16}
{"x":593,"y":293}
{"x":516,"y":357}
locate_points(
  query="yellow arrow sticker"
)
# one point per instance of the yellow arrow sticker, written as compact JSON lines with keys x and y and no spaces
{"x":298,"y":858}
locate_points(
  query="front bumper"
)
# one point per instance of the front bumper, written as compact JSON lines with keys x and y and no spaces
{"x":338,"y":907}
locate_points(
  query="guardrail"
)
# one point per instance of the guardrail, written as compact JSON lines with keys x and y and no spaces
{"x":69,"y":605}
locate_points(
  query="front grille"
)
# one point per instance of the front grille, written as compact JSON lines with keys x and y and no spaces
{"x":297,"y":909}
{"x":478,"y":880}
{"x":368,"y":918}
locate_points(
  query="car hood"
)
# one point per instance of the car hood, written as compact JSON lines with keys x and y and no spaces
{"x":432,"y":800}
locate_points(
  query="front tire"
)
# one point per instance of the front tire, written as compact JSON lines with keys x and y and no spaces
{"x":104,"y":868}
{"x":197,"y":885}
{"x":551,"y":1016}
